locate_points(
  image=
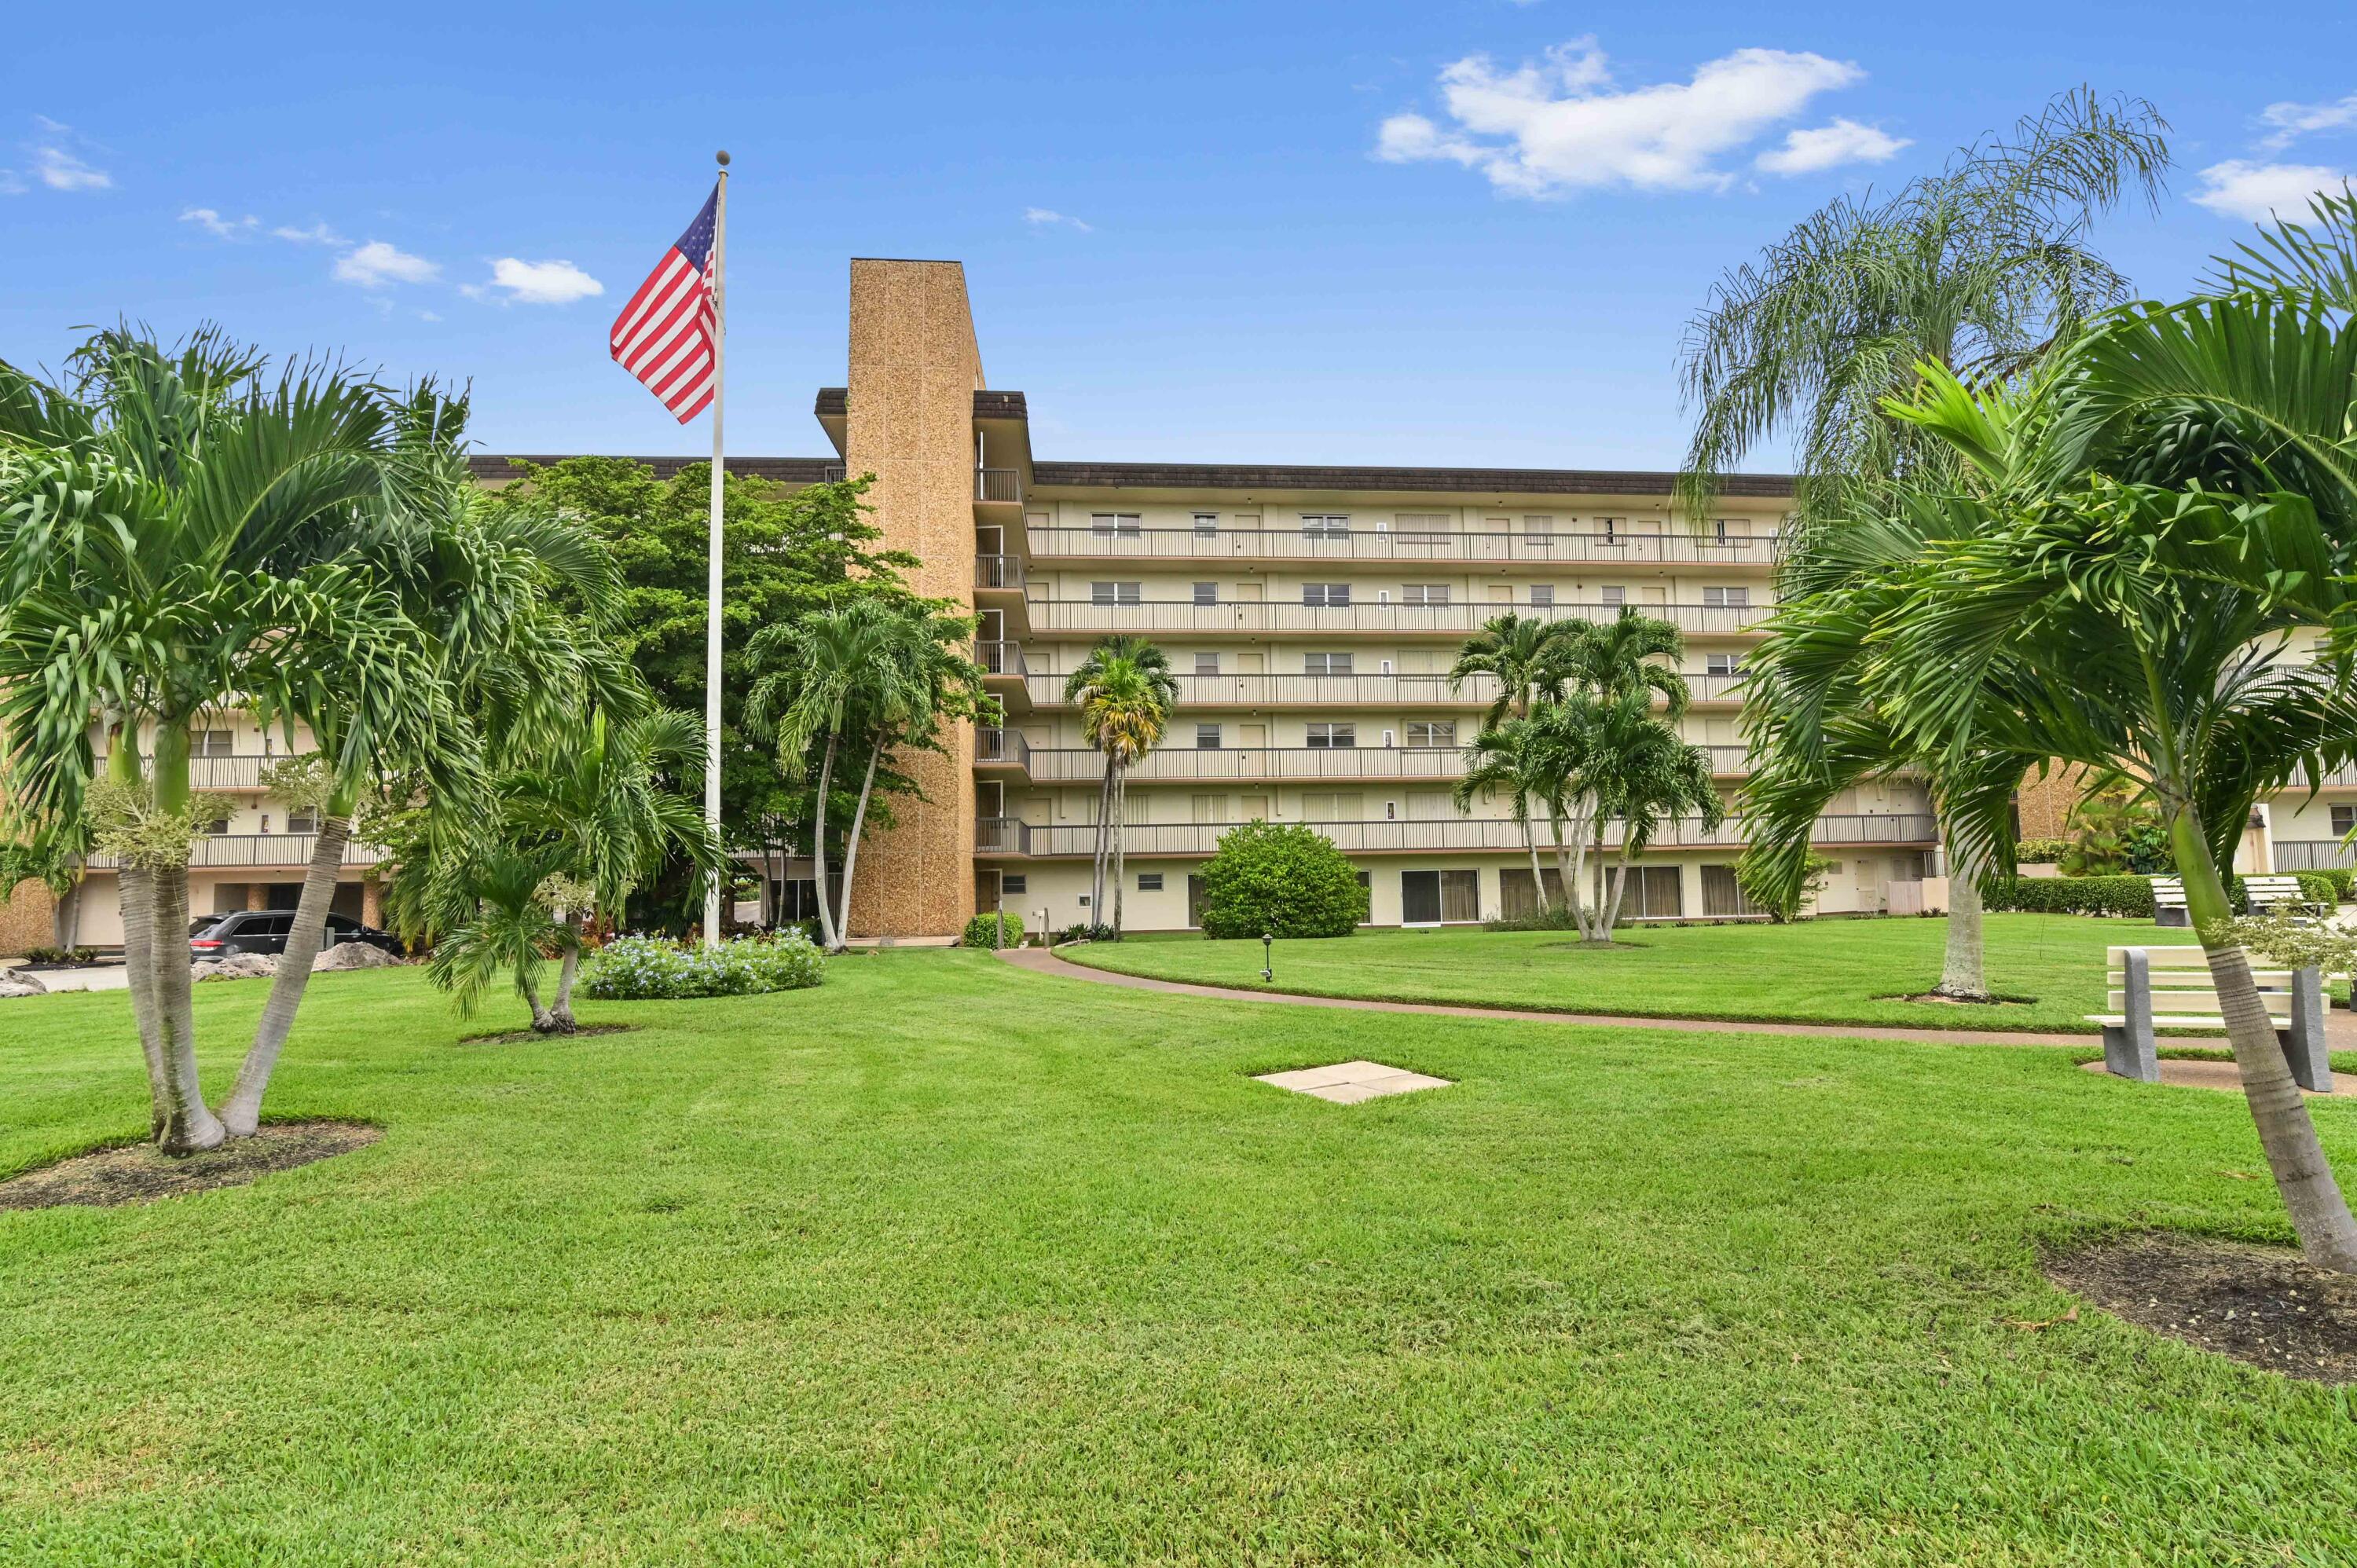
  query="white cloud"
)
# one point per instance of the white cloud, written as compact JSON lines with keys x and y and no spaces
{"x":377,"y":264}
{"x":538,"y":283}
{"x":57,"y":160}
{"x":1045,"y":216}
{"x":1825,"y":146}
{"x":219,"y":227}
{"x":2293,"y":120}
{"x":2240,"y":188}
{"x":316,"y":234}
{"x":1558,"y":126}
{"x":427,"y":316}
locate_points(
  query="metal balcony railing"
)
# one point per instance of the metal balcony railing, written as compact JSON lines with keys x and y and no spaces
{"x":2313,"y":854}
{"x":834,"y":474}
{"x":1077,"y":764}
{"x":998,"y":571}
{"x":1001,"y":746}
{"x":997,"y":485}
{"x":1396,"y":619}
{"x":999,"y":656}
{"x":228,"y":851}
{"x":1003,"y":836}
{"x":236,"y":771}
{"x":1362,"y":543}
{"x":1371,"y":690}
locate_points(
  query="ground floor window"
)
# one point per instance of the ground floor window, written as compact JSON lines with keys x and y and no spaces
{"x":1149,"y":882}
{"x":1194,"y":901}
{"x":1440,"y":897}
{"x":1722,"y":894}
{"x":1654,"y":892}
{"x":1516,"y":899}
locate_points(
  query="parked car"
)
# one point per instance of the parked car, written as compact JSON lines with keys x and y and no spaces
{"x":264,"y":931}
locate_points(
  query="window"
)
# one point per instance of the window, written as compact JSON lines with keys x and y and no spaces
{"x":1424,"y":593}
{"x":218,"y":827}
{"x":1014,"y":882}
{"x":1318,"y":806}
{"x":1207,"y":593}
{"x":2344,"y":821}
{"x":1149,"y":882}
{"x":1723,"y":896}
{"x":1436,"y":734}
{"x":1206,"y":664}
{"x":1211,"y":809}
{"x":1194,"y":900}
{"x":1726,"y":598}
{"x":1207,"y":524}
{"x":1422,"y":527}
{"x":1326,"y":736}
{"x":1114,"y":593}
{"x":302,"y":821}
{"x":1722,"y":664}
{"x":210,"y":743}
{"x":1206,"y":738}
{"x":1730,"y":531}
{"x":1325,"y":664}
{"x":1326,"y":595}
{"x":1653,"y":893}
{"x":1515,"y":899}
{"x":1107,"y":524}
{"x":1430,"y":897}
{"x":1538,"y":533}
{"x":1614,"y":594}
{"x":1543,"y":596}
{"x":1612,"y":528}
{"x":1326,"y":524}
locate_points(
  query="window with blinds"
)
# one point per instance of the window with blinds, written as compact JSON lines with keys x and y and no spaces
{"x":1114,"y":592}
{"x":1424,"y":593}
{"x":1326,"y":524}
{"x":1110,"y":524}
{"x":1326,"y":595}
{"x":1726,"y":598}
{"x":1325,"y":735}
{"x":1433,"y":734}
{"x":1325,"y":664}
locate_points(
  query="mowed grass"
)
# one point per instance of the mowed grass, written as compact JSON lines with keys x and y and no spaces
{"x":948,"y":1262}
{"x":1831,"y":970}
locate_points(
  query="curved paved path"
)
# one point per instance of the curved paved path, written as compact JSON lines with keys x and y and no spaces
{"x":1039,"y":960}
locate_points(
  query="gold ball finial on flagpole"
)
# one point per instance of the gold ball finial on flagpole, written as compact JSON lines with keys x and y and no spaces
{"x":723,"y":160}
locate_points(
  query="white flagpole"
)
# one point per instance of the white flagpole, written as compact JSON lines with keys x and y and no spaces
{"x":712,"y":608}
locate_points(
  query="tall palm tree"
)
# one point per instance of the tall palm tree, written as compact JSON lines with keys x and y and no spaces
{"x":1510,"y":759}
{"x":1528,"y":657}
{"x":1124,"y":689}
{"x":168,"y":521}
{"x":1651,"y":777}
{"x":1982,"y":267}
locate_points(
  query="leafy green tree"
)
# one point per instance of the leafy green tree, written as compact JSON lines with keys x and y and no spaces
{"x":1281,"y":880}
{"x":177,"y":537}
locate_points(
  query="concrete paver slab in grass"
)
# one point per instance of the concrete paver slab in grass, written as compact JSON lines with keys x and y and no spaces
{"x":1348,"y":1083}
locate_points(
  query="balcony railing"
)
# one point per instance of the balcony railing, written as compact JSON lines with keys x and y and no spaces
{"x":274,"y":851}
{"x":237,"y":770}
{"x":1000,"y":658}
{"x":998,"y":571}
{"x":1675,"y":547}
{"x":2313,"y":854}
{"x":1370,"y":690}
{"x":997,"y":485}
{"x":1396,"y":619}
{"x":1077,"y":764}
{"x":1002,"y":745}
{"x":1006,"y":837}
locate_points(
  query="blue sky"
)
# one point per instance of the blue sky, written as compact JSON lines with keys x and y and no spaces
{"x":1182,"y":232}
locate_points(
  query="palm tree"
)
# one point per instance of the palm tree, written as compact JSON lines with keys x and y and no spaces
{"x":1511,"y":760}
{"x":1528,"y":657}
{"x":519,"y":909}
{"x":1124,"y":689}
{"x":169,"y":524}
{"x":1982,"y":267}
{"x":1644,"y":774}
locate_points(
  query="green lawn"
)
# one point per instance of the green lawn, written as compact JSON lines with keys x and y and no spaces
{"x":946,"y":1262}
{"x":1834,"y":971}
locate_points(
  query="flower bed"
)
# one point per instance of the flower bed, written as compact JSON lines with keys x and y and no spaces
{"x":643,"y":968}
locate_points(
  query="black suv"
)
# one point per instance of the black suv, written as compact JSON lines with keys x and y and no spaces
{"x":264,"y":931}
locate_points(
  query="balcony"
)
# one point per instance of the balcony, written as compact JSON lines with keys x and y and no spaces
{"x":998,"y":572}
{"x":230,"y":772}
{"x":1252,"y":618}
{"x":1000,"y":657}
{"x":1369,"y":691}
{"x":1006,"y":837}
{"x":1001,"y":747}
{"x":999,"y":486}
{"x":280,"y":851}
{"x":1342,"y":764}
{"x":2313,"y":854}
{"x":1675,"y":547}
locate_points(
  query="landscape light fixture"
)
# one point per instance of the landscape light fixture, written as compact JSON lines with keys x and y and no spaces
{"x":1267,"y":957}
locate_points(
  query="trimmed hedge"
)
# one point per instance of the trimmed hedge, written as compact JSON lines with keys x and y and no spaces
{"x":2126,"y":895}
{"x":980,"y":932}
{"x":1286,"y":880}
{"x":2040,"y":852}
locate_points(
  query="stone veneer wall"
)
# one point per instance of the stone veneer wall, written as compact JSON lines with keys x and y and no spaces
{"x":908,"y":419}
{"x":2046,"y":805}
{"x":25,"y":919}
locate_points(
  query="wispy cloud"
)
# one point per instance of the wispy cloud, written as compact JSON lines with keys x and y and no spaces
{"x":59,"y":157}
{"x":316,"y":234}
{"x":219,"y":227}
{"x":1048,"y":217}
{"x":1560,"y":124}
{"x":2290,"y":121}
{"x":2240,"y":188}
{"x":376,"y":264}
{"x":518,"y":281}
{"x":1828,"y":146}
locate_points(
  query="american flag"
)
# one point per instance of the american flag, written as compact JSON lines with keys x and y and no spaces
{"x":665,"y":334}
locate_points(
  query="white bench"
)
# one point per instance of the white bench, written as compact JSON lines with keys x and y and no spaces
{"x":2169,"y":903}
{"x":2154,"y":989}
{"x":2263,"y":894}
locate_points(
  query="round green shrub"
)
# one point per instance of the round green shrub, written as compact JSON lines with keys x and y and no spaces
{"x":643,"y":968}
{"x":1284,"y":880}
{"x":988,"y":931}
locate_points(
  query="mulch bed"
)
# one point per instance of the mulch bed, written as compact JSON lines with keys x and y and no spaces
{"x":2262,"y":1308}
{"x":137,"y":1174}
{"x":518,"y":1036}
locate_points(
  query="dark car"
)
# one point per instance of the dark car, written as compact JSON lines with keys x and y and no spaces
{"x":264,"y":931}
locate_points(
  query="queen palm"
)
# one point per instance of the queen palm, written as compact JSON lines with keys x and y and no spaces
{"x":1528,"y":657}
{"x":1644,"y":773}
{"x":167,"y":528}
{"x":1512,"y":760}
{"x":1124,"y":689}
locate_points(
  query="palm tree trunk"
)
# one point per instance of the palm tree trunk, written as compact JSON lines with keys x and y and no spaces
{"x":1119,"y":843}
{"x":1103,"y":844}
{"x":1538,"y":881}
{"x":188,"y":1125}
{"x":2319,"y":1214}
{"x":818,"y":848}
{"x":1964,"y":975}
{"x":1564,"y":867}
{"x":241,"y":1113}
{"x":1610,"y":916}
{"x":851,"y":847}
{"x":559,"y":1016}
{"x":543,"y":1022}
{"x":65,"y":917}
{"x":136,"y":892}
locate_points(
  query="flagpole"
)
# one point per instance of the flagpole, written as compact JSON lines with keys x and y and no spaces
{"x":712,"y":584}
